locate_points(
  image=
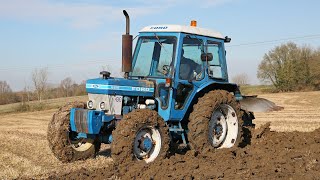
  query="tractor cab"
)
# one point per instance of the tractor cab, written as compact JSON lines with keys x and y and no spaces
{"x":162,"y":50}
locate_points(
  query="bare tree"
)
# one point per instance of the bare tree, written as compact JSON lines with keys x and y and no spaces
{"x":39,"y":79}
{"x":66,"y":86}
{"x":26,"y":94}
{"x":80,"y":89}
{"x":5,"y":92}
{"x":4,"y":87}
{"x":241,"y":79}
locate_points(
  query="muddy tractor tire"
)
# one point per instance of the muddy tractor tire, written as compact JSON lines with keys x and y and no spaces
{"x":142,"y":135}
{"x":63,"y":142}
{"x":215,"y":122}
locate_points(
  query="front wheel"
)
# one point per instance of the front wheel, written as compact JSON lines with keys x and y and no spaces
{"x":142,"y":135}
{"x":215,"y":122}
{"x":64,"y":143}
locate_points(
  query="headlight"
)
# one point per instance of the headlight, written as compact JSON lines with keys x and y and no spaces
{"x":90,"y":104}
{"x":102,"y":106}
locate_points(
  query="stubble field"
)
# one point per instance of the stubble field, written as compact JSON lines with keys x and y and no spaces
{"x":24,"y":152}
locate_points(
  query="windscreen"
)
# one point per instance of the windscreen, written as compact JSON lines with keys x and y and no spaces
{"x":154,"y":56}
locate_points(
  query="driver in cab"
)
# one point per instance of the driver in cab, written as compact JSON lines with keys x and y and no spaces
{"x":188,"y":68}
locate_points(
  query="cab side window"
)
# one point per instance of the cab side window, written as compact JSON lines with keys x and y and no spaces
{"x":215,"y":70}
{"x":190,"y":62}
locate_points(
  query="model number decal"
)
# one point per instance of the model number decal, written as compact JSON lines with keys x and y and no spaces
{"x":118,"y":98}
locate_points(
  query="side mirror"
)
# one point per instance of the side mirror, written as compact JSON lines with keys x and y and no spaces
{"x":227,"y":39}
{"x":206,"y":56}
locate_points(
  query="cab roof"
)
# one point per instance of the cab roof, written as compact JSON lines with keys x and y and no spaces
{"x":184,"y":29}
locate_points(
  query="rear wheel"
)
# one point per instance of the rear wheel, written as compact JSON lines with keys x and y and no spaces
{"x":64,"y":143}
{"x":141,"y":135}
{"x":215,"y":122}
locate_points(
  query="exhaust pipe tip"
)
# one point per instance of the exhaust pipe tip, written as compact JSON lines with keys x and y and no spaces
{"x":127,"y":21}
{"x":125,"y":13}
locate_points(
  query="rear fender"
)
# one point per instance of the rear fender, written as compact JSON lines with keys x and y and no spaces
{"x":248,"y":103}
{"x":209,"y":86}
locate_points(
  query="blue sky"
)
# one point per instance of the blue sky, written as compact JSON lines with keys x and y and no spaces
{"x":79,"y":38}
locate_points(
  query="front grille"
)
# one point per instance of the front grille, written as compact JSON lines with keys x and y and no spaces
{"x":81,"y":120}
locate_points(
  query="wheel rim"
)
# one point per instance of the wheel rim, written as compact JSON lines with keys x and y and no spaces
{"x":147,"y":144}
{"x":79,"y":144}
{"x":223,"y":127}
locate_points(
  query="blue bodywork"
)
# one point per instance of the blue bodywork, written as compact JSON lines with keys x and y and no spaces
{"x":120,"y":86}
{"x":153,"y":87}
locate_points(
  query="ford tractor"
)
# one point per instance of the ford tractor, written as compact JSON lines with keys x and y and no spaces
{"x":175,"y":92}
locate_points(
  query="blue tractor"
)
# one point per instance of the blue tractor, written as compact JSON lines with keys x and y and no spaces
{"x":175,"y":92}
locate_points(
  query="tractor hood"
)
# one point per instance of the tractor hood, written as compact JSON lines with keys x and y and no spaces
{"x":120,"y":86}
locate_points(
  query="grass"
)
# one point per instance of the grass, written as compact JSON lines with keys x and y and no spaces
{"x":37,"y":106}
{"x":256,"y":89}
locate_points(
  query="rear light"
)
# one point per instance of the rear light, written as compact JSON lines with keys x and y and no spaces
{"x":168,"y":82}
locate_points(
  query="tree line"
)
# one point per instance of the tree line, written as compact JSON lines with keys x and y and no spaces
{"x":41,"y":89}
{"x":290,"y":67}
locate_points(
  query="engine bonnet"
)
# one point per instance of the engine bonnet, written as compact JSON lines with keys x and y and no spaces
{"x":120,"y":86}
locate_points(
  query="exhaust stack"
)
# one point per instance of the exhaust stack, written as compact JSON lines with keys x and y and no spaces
{"x":127,"y":48}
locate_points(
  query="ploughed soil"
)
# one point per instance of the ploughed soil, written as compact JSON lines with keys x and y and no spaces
{"x":25,"y":152}
{"x":267,"y":155}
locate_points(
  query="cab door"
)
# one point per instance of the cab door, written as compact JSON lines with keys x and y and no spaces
{"x":189,"y":74}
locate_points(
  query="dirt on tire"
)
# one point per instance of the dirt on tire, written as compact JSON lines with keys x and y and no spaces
{"x":124,"y":135}
{"x":271,"y":155}
{"x":58,"y":136}
{"x":200,"y":117}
